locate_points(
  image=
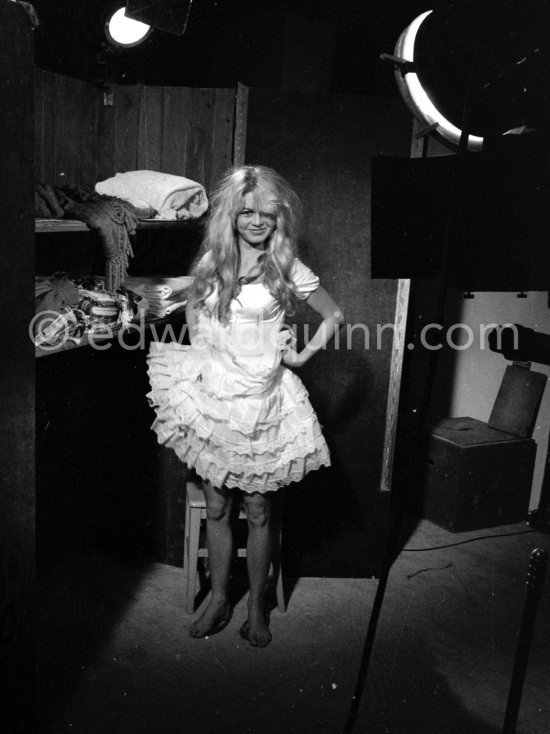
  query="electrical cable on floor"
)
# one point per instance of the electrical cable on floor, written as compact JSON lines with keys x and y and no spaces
{"x":469,"y":540}
{"x":431,"y":568}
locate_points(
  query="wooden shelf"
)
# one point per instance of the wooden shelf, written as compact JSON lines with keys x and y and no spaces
{"x":45,"y":226}
{"x":59,"y":225}
{"x":169,"y":223}
{"x":113,"y":335}
{"x":75,"y":225}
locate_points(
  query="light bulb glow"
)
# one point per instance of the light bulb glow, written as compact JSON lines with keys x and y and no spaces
{"x":125,"y":31}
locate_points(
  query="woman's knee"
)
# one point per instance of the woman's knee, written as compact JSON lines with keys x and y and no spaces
{"x":258,"y":510}
{"x":218,"y":504}
{"x":218,"y":511}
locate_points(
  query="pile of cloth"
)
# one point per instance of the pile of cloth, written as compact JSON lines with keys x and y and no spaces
{"x":159,"y":296}
{"x":68,"y":309}
{"x":114,"y":219}
{"x":46,"y":205}
{"x":115,"y":206}
{"x":157,"y":195}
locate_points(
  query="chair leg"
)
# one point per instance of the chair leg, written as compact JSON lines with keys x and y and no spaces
{"x":278,"y":572}
{"x":192,"y":555}
{"x":186,"y":538}
{"x":281,"y":605}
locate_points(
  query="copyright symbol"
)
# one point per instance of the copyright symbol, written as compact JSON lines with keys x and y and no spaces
{"x":40,"y":325}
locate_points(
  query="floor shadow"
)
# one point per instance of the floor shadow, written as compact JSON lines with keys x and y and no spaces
{"x":405,"y":693}
{"x":97,"y":467}
{"x":79,"y":604}
{"x":327,"y":534}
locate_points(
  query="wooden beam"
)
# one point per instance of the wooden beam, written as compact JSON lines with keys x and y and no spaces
{"x":394,"y":389}
{"x":241,"y":114}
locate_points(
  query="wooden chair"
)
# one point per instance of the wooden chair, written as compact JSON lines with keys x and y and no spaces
{"x":195,"y":515}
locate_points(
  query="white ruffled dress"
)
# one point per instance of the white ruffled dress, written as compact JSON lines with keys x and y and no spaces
{"x":227,"y":406}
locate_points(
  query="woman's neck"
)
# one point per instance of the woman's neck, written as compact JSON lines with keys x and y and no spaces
{"x":246,"y":249}
{"x":249,"y":257}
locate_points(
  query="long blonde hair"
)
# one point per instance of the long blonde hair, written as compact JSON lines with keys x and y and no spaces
{"x":219,"y":259}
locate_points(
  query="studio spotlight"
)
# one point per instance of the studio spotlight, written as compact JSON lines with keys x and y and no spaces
{"x":125,"y":32}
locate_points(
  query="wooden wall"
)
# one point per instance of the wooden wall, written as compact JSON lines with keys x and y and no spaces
{"x":17,"y":475}
{"x":80,"y":140}
{"x":323,"y":145}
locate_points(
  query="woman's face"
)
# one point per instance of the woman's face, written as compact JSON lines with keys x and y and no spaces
{"x":255,"y":223}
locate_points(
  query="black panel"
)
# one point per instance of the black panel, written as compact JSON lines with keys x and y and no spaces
{"x":489,"y":210}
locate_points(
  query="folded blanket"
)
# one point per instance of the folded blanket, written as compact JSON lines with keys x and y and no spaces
{"x":160,"y":296}
{"x":161,"y":195}
{"x":114,"y":219}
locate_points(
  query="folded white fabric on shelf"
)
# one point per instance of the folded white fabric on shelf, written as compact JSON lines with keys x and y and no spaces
{"x":174,"y":307}
{"x":157,"y":291}
{"x":167,"y":196}
{"x":158,"y":286}
{"x":160,"y":296}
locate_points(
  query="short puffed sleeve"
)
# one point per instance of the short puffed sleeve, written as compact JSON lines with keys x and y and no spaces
{"x":304,"y":279}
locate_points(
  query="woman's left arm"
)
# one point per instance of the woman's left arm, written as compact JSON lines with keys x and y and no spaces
{"x":333,"y":318}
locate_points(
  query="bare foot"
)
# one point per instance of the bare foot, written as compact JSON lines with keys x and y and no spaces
{"x":215,"y":617}
{"x":256,"y":629}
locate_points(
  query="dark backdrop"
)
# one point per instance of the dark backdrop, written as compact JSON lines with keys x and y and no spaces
{"x":323,"y":144}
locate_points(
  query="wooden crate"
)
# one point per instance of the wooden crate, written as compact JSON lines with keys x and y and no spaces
{"x":479,"y":474}
{"x":476,"y":476}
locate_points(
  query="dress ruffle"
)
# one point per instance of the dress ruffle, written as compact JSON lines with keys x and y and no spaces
{"x":228,"y":431}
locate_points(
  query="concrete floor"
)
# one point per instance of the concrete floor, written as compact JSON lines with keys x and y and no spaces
{"x":115,"y":655}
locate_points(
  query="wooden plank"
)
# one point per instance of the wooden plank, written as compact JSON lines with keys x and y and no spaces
{"x":67,"y":124}
{"x":39,"y":124}
{"x":84,"y":107}
{"x":112,"y":333}
{"x":59,"y":225}
{"x":241,"y":117}
{"x":177,"y":102}
{"x":76,"y":225}
{"x":417,"y":150}
{"x":66,"y":134}
{"x":59,"y":140}
{"x":106,"y":138}
{"x":394,"y":388}
{"x":89,"y":139}
{"x":222,"y":134}
{"x":68,"y":139}
{"x":127,"y":110}
{"x":49,"y":103}
{"x":199,"y":135}
{"x":150,"y":132}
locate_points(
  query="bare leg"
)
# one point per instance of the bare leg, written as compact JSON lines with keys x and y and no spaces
{"x":258,"y":553}
{"x":220,"y":550}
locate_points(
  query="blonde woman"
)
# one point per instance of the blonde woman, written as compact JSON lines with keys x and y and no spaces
{"x":228,"y":404}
